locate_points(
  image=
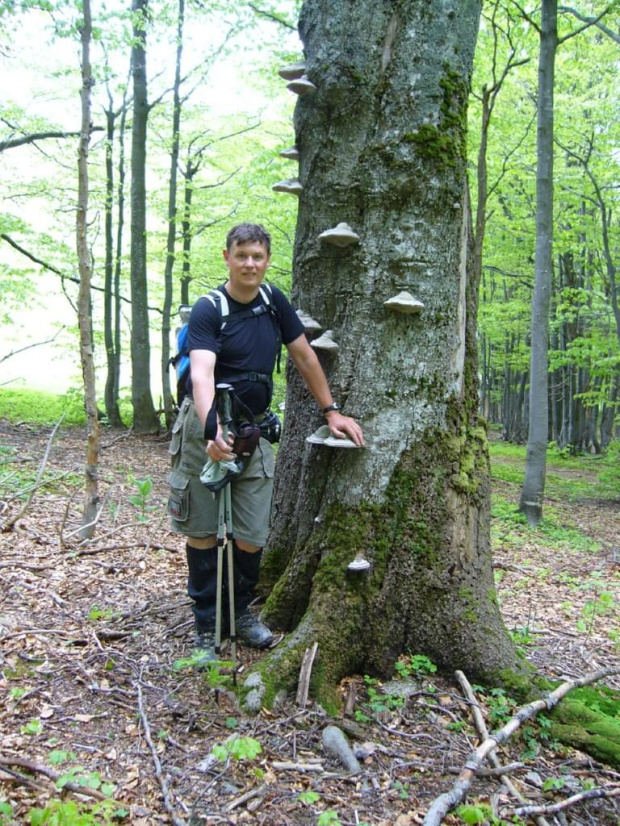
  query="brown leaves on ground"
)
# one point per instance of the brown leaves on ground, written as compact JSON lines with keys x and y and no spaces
{"x":84,"y":626}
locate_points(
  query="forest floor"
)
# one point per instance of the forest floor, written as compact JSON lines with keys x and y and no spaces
{"x":90,"y":634}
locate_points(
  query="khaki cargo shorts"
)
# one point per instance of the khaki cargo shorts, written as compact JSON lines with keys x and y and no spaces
{"x":193,"y":509}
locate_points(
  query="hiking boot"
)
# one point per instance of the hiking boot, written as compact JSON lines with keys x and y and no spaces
{"x":204,"y":642}
{"x":251,"y":630}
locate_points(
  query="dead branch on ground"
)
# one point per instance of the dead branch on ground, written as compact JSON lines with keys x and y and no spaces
{"x":445,"y":802}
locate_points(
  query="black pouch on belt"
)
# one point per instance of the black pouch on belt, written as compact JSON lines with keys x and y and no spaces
{"x":246,"y":440}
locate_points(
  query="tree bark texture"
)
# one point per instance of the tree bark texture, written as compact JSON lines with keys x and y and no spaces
{"x":538,"y":430}
{"x":91,"y":486}
{"x":144,"y":416}
{"x":382,"y":144}
{"x":172,"y":223}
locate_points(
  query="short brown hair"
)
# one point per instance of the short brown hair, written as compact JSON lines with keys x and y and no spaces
{"x":245,"y":233}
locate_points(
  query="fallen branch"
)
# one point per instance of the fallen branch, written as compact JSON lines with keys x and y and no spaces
{"x":9,"y":524}
{"x":442,"y":804}
{"x":304,"y":675}
{"x":483,"y":732}
{"x":553,"y":808}
{"x":37,"y":768}
{"x":177,"y":821}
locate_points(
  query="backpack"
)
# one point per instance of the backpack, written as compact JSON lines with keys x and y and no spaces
{"x":218,"y":298}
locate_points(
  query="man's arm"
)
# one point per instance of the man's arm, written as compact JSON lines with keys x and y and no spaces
{"x":306,"y":361}
{"x":202,"y":366}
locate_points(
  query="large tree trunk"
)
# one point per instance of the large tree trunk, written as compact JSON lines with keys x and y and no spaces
{"x":91,"y":484}
{"x":144,"y":416}
{"x":538,"y":431}
{"x":382,"y":145}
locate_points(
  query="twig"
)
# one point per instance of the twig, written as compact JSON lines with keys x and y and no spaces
{"x":37,"y":768}
{"x":8,"y":525}
{"x":177,"y":821}
{"x":260,"y":792}
{"x":304,"y":675}
{"x":483,"y":732}
{"x":552,"y":808}
{"x":442,"y":804}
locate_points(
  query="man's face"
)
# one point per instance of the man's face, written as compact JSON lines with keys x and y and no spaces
{"x":247,"y":264}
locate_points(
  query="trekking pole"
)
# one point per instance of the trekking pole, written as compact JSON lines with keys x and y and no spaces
{"x":231,"y":579}
{"x":224,"y":412}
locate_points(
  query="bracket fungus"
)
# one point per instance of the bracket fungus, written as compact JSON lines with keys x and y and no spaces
{"x":325,"y":342}
{"x":333,"y":441}
{"x":290,"y":185}
{"x":360,"y":563}
{"x":319,"y":436}
{"x":404,"y":302}
{"x":340,"y":236}
{"x":302,"y":86}
{"x":291,"y":154}
{"x":293,"y":71}
{"x":309,"y":323}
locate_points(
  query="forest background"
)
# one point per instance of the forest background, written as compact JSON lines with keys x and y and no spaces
{"x":234,"y":117}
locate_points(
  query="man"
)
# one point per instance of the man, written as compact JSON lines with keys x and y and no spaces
{"x":240,"y":351}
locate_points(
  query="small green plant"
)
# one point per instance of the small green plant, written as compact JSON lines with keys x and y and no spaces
{"x":482,"y":813}
{"x":210,"y":669}
{"x":91,"y":780}
{"x":500,"y":706}
{"x":140,"y":499}
{"x":601,"y":606}
{"x":56,"y":757}
{"x":97,"y":613}
{"x":237,"y":748}
{"x":329,"y":818}
{"x":309,"y":798}
{"x":6,"y":811}
{"x":70,"y":813}
{"x":415,"y":665}
{"x":379,"y":703}
{"x":401,"y":788}
{"x":17,"y":692}
{"x":32,"y":727}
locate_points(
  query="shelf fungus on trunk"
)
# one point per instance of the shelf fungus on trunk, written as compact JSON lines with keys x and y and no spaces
{"x":302,"y":86}
{"x":293,"y":71}
{"x":311,"y":325}
{"x":360,"y":563}
{"x":291,"y":154}
{"x":290,"y":185}
{"x":319,"y":436}
{"x":404,"y":302}
{"x":325,"y":342}
{"x":340,"y":236}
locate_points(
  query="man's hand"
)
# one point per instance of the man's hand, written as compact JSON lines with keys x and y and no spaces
{"x":220,"y":449}
{"x":342,"y":426}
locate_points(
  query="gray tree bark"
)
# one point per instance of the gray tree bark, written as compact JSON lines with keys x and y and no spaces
{"x":538,"y":431}
{"x":144,"y":416}
{"x":172,"y":223}
{"x":91,"y":483}
{"x":382,"y":145}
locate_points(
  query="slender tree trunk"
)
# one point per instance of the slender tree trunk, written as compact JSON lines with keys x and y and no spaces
{"x":538,"y":431}
{"x":172,"y":224}
{"x":144,"y":415}
{"x":91,"y":487}
{"x":118,"y":262}
{"x":111,"y":382}
{"x":382,"y":145}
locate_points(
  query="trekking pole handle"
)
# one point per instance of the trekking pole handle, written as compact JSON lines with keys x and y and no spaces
{"x":223,"y":402}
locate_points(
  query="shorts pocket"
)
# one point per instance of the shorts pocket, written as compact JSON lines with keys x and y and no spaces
{"x":178,"y":499}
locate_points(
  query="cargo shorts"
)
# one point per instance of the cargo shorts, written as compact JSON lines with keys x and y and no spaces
{"x":193,"y":508}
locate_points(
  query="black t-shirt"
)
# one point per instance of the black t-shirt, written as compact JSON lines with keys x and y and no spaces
{"x":244,"y":345}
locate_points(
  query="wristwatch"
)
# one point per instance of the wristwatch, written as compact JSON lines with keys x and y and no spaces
{"x":330,"y":407}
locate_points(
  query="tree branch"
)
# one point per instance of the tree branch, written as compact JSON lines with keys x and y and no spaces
{"x":271,"y":16}
{"x":442,"y":804}
{"x":11,"y":143}
{"x":590,"y":21}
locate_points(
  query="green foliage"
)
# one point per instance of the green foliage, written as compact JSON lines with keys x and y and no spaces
{"x":415,"y":665}
{"x":97,"y":613}
{"x":57,"y":757}
{"x":38,"y":407}
{"x":70,"y":813}
{"x":238,"y":749}
{"x":329,"y":818}
{"x":32,"y":727}
{"x":473,"y":813}
{"x":308,"y":798}
{"x":140,"y":499}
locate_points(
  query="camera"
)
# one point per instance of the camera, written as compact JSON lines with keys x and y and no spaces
{"x":270,"y":427}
